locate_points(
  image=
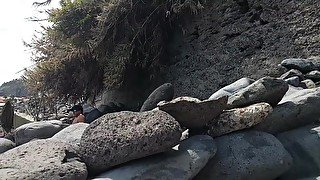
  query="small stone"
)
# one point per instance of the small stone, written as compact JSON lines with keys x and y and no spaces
{"x":185,"y":135}
{"x":292,"y":73}
{"x":308,"y":84}
{"x":294,"y":81}
{"x":315,"y":75}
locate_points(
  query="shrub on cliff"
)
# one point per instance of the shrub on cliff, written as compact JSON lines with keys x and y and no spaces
{"x":94,"y":45}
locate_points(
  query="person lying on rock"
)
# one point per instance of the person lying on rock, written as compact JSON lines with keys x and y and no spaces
{"x":77,"y":114}
{"x":88,"y":117}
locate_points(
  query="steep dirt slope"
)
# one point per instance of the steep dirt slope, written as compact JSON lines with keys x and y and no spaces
{"x":233,"y":39}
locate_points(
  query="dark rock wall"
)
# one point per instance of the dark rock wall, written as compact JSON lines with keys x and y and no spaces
{"x":229,"y":40}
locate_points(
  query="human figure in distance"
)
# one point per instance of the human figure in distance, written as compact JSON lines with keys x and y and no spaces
{"x":78,"y":114}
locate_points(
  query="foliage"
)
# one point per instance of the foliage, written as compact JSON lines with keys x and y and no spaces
{"x":103,"y":44}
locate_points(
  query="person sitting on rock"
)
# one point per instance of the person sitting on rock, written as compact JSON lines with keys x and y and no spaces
{"x":78,"y":114}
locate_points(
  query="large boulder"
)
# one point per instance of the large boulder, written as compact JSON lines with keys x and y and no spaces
{"x":247,"y":155}
{"x":238,"y":119}
{"x":163,"y":93}
{"x":37,"y":130}
{"x":71,"y":134}
{"x":295,"y":110}
{"x":120,"y":137}
{"x":303,"y":65}
{"x":304,"y":146}
{"x":5,"y":145}
{"x":267,"y":89}
{"x":183,"y":162}
{"x":42,"y":159}
{"x":193,"y":113}
{"x":231,"y":88}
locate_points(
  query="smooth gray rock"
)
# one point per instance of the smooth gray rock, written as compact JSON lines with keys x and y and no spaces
{"x":231,"y":88}
{"x":294,"y":81}
{"x":291,"y":90}
{"x":293,"y":73}
{"x":193,"y":113}
{"x":71,"y":134}
{"x":238,"y":119}
{"x":247,"y":155}
{"x":111,"y":107}
{"x":315,"y":75}
{"x":183,"y":162}
{"x":295,"y":110}
{"x":37,"y":130}
{"x":42,"y":159}
{"x":269,"y":90}
{"x":5,"y":145}
{"x":164,"y":92}
{"x":304,"y":146}
{"x":308,"y":84}
{"x":117,"y":138}
{"x":303,"y":65}
{"x":92,"y":115}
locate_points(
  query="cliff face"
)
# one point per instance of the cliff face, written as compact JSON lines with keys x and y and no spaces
{"x":230,"y":39}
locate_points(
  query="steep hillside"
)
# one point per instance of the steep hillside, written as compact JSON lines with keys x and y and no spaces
{"x":237,"y":38}
{"x":13,"y":88}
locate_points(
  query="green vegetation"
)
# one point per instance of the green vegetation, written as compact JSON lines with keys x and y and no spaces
{"x":95,"y":45}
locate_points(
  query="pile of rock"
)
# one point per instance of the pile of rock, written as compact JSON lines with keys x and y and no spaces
{"x":303,"y":73}
{"x":264,"y":129}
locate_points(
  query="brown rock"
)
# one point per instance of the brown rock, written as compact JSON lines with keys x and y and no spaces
{"x":193,"y":113}
{"x":241,"y":118}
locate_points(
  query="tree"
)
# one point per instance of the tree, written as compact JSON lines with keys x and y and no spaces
{"x":94,"y":45}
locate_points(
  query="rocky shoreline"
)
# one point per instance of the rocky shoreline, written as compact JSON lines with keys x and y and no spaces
{"x":251,"y":129}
